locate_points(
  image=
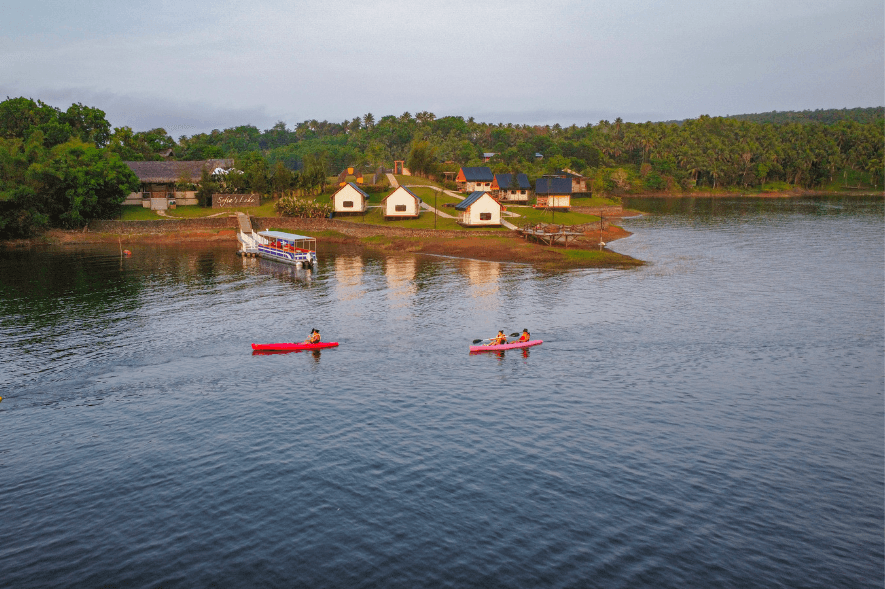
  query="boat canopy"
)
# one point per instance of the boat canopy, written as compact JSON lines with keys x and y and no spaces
{"x":280,"y":235}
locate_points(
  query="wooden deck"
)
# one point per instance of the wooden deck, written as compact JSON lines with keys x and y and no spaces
{"x":552,"y":234}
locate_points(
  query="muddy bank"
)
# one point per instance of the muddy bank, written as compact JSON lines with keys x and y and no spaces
{"x":584,"y":252}
{"x":797,"y":192}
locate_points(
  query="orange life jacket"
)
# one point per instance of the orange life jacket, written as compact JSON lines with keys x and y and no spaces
{"x":525,"y":336}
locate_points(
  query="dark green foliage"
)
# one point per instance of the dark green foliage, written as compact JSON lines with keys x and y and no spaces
{"x":62,"y":187}
{"x":422,"y":159}
{"x":804,"y":149}
{"x":208,"y":187}
{"x":828,"y":116}
{"x":79,"y":182}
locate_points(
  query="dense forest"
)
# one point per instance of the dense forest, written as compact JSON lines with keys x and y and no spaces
{"x":705,"y":153}
{"x":61,"y":168}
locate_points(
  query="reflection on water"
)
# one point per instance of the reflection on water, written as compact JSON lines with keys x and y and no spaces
{"x":279,"y":269}
{"x":400,"y":272}
{"x":712,"y":419}
{"x":348,"y":277}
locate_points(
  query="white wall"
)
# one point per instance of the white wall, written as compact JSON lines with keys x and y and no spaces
{"x":350,"y":193}
{"x":485,"y":204}
{"x":401,"y":196}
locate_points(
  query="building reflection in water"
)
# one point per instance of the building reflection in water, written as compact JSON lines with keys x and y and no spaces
{"x":482,"y":278}
{"x":401,"y":287}
{"x":348,"y":277}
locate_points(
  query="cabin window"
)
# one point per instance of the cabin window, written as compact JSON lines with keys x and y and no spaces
{"x":485,"y":216}
{"x":347,"y":204}
{"x":400,"y":208}
{"x":522,"y":191}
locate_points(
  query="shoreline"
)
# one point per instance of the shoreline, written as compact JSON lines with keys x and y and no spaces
{"x":794,"y":193}
{"x":493,"y":246}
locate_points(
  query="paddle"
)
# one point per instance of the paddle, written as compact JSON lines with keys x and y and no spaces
{"x":476,"y":341}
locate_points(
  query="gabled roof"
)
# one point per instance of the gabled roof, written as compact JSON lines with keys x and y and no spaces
{"x":504,"y":181}
{"x":462,"y":206}
{"x":355,"y":187}
{"x":553,"y":186}
{"x":418,"y":198}
{"x":489,"y":154}
{"x":165,"y":172}
{"x":478,"y":174}
{"x":568,"y":173}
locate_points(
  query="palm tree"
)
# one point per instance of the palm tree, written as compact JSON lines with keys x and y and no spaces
{"x":369,"y":120}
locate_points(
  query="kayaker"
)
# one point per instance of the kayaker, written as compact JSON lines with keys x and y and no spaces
{"x":314,"y":337}
{"x":498,"y":339}
{"x":525,"y":336}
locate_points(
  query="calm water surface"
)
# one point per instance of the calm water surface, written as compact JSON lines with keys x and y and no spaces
{"x":714,"y":418}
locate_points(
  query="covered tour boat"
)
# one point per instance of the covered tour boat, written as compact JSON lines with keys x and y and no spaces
{"x":298,"y":250}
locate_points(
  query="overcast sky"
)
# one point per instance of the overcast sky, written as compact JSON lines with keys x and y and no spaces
{"x":192,"y":66}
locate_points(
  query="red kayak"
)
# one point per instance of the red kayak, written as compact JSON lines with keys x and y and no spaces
{"x":290,"y":347}
{"x":510,"y":346}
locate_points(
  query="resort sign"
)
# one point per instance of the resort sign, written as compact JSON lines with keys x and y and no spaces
{"x":221,"y":201}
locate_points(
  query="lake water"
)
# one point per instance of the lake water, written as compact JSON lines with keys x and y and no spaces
{"x":714,"y":418}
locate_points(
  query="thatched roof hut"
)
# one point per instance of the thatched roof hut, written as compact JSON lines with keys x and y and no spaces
{"x":167,"y":172}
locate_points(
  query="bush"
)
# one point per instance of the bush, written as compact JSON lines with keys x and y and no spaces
{"x":291,"y":206}
{"x":653,"y":181}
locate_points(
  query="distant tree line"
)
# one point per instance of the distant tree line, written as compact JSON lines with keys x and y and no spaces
{"x":808,"y":149}
{"x":61,"y":168}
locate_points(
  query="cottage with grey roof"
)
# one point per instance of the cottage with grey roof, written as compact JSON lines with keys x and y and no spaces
{"x":553,"y":193}
{"x":471,"y":179}
{"x":510,"y":188}
{"x":478,"y":210}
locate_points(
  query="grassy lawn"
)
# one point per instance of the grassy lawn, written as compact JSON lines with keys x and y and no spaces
{"x":408,"y":180}
{"x":531,"y":215}
{"x":425,"y":221}
{"x":594,"y":201}
{"x":133,"y":213}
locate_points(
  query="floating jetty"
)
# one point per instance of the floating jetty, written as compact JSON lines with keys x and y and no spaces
{"x":289,"y":248}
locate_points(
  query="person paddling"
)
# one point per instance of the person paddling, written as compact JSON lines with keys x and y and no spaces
{"x":314,"y":337}
{"x":526,"y":336}
{"x":498,"y":339}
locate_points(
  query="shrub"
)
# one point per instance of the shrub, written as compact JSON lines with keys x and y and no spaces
{"x":291,"y":206}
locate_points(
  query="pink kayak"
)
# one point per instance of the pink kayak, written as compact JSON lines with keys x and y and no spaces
{"x":288,"y":347}
{"x":531,"y":342}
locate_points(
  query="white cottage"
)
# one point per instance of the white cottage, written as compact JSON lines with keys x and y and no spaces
{"x":349,"y":200}
{"x":401,"y":204}
{"x":478,"y":210}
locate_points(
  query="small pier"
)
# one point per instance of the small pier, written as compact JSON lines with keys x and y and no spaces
{"x":249,"y":240}
{"x":551,"y":235}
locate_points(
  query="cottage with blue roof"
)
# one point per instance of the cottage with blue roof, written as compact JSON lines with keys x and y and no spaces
{"x":553,"y":193}
{"x":401,"y":204}
{"x":479,"y":210}
{"x":350,"y":199}
{"x":506,"y":190}
{"x":473,"y":179}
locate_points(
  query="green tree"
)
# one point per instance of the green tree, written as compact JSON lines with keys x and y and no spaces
{"x":87,"y":123}
{"x":80,"y":182}
{"x":207,"y":188}
{"x":282,"y":178}
{"x":422,"y":159}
